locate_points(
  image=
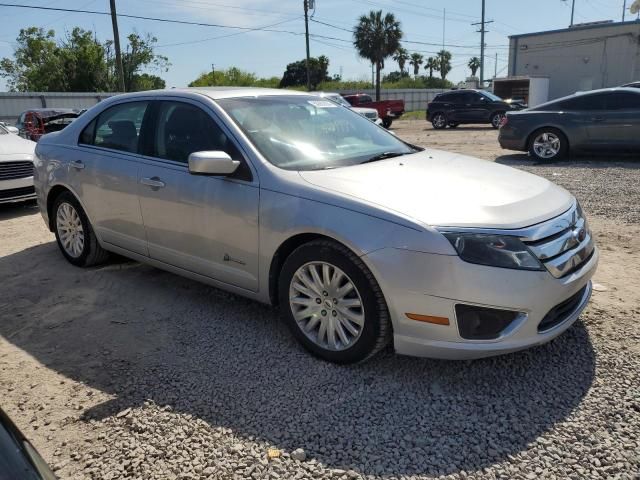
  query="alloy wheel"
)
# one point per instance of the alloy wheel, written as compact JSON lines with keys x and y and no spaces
{"x":70,"y":231}
{"x":439,"y":121}
{"x":326,"y":305}
{"x":497,"y":120}
{"x":546,"y":145}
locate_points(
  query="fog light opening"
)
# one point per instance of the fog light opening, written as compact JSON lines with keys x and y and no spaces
{"x":482,"y":323}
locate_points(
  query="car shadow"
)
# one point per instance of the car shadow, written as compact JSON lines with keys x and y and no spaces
{"x":591,"y":161}
{"x":470,"y":128}
{"x":141,"y":334}
{"x":17,"y":209}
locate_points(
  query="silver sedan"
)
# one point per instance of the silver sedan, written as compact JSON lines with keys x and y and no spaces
{"x":286,"y":198}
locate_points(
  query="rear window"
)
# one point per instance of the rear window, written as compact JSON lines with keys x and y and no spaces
{"x":623,"y":101}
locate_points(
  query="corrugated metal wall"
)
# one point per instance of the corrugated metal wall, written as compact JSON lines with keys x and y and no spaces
{"x":13,"y":104}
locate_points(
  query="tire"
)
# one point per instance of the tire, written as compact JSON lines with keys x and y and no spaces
{"x":365,"y":300}
{"x":85,"y":253}
{"x":496,"y":119}
{"x":386,"y":122}
{"x":439,"y":121}
{"x":453,"y":125}
{"x":553,"y":148}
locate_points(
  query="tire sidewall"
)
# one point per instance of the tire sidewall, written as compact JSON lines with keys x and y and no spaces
{"x":326,"y":253}
{"x":86,"y":228}
{"x":493,"y":116}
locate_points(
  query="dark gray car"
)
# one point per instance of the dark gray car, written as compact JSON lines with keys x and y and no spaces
{"x":606,"y":120}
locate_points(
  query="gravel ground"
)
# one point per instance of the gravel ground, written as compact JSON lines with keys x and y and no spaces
{"x":126,"y":371}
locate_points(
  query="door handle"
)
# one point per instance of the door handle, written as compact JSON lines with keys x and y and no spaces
{"x":153,"y":182}
{"x":77,"y":164}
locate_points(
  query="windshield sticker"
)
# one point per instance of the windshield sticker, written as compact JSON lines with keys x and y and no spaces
{"x":323,"y":104}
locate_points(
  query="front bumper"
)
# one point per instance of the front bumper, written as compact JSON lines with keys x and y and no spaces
{"x":428,"y":284}
{"x":17,"y":190}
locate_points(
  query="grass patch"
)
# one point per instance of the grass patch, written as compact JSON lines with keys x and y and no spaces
{"x":415,"y":115}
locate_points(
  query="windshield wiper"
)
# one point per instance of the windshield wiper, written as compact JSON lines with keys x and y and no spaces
{"x":383,"y":156}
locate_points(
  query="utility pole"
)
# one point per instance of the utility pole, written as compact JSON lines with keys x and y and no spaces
{"x":495,"y":71}
{"x":306,"y":34}
{"x":482,"y":31}
{"x":624,"y":9}
{"x":116,"y":42}
{"x":573,"y":9}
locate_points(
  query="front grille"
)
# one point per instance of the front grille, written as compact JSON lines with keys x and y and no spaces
{"x":565,"y":251}
{"x":17,"y":192}
{"x":561,"y":312}
{"x":13,"y":170}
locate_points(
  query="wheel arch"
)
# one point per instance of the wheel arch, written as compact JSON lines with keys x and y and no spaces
{"x":285,"y":249}
{"x":54,"y":192}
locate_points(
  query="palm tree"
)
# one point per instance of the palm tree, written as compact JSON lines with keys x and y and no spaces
{"x":376,"y":38}
{"x":444,"y":63}
{"x":401,"y":56}
{"x":431,"y":65}
{"x":416,"y":61}
{"x":474,"y":65}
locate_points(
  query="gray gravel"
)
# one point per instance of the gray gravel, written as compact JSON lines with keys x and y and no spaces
{"x":215,"y":382}
{"x":608,"y":189}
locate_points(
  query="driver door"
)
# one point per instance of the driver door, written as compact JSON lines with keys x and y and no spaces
{"x":201,"y":223}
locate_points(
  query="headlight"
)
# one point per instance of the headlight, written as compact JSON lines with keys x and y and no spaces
{"x":493,"y":250}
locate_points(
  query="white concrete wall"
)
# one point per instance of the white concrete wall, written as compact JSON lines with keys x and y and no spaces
{"x":13,"y":104}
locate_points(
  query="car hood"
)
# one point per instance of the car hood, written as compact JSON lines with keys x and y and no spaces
{"x":11,"y":144}
{"x":444,"y":189}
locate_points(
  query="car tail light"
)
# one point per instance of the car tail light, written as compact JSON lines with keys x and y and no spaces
{"x":504,"y":121}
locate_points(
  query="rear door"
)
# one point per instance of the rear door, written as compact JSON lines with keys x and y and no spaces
{"x":104,"y":174}
{"x":621,"y":121}
{"x":201,"y":223}
{"x":462,"y":107}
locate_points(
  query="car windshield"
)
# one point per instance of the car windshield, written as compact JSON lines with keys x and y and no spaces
{"x":311,"y":133}
{"x":493,"y":97}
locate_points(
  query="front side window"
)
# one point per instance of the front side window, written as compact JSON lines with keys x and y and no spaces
{"x":491,"y":96}
{"x":118,"y":127}
{"x":310,"y":133}
{"x":184,"y":128}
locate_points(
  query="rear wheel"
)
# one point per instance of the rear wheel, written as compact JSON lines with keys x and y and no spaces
{"x":332,"y":304}
{"x":75,"y":237}
{"x":548,"y":144}
{"x":386,"y":122}
{"x":439,"y":121}
{"x":496,"y":119}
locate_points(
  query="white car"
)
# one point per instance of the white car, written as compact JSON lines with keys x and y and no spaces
{"x":16,"y":167}
{"x":9,"y":128}
{"x":369,"y":113}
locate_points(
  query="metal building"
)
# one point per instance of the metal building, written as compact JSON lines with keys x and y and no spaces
{"x":582,"y":57}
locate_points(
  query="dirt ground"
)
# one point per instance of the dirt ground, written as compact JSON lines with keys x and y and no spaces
{"x":74,"y":342}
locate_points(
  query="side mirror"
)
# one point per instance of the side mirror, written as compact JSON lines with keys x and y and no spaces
{"x":212,"y":163}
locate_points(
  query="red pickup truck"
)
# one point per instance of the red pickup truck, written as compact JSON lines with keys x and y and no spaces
{"x":388,"y":110}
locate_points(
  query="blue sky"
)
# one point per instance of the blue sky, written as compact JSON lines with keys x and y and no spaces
{"x":192,"y":49}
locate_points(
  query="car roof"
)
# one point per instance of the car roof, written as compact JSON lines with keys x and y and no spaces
{"x":217,"y":93}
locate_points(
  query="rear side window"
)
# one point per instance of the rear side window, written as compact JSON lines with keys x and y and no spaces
{"x":623,"y":101}
{"x":183,"y":128}
{"x":582,"y":103}
{"x":118,"y":127}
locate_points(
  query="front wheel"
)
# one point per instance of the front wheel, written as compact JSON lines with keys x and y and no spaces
{"x":332,"y":304}
{"x":439,"y":121}
{"x":496,"y":119}
{"x":548,"y":144}
{"x":75,"y":237}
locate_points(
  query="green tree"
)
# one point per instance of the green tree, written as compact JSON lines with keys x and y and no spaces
{"x":474,"y":65}
{"x":416,"y":61}
{"x":138,"y":55}
{"x":444,"y":63}
{"x":431,"y":64}
{"x":401,"y":56}
{"x":296,"y":72}
{"x":84,"y":63}
{"x":376,"y":38}
{"x":36,"y":65}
